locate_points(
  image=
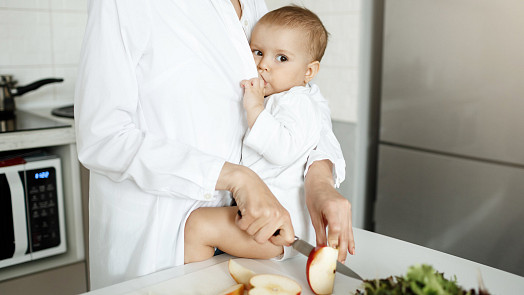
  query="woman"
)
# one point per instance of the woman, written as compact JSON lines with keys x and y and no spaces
{"x":159,"y":124}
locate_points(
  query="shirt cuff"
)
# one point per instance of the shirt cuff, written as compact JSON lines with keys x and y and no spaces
{"x":208,"y":190}
{"x":339,"y":166}
{"x":289,"y":252}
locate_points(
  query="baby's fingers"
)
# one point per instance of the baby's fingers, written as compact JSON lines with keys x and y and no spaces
{"x":245,"y":83}
{"x":261,"y":83}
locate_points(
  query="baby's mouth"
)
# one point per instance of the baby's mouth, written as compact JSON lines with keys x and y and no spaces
{"x":265,"y":82}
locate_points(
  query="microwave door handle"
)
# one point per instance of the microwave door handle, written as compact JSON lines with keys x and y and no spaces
{"x":20,"y":220}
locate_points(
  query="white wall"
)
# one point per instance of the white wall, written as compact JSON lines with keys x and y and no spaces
{"x":41,"y":39}
{"x":337,"y":78}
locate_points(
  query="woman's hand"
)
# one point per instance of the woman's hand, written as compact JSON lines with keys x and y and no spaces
{"x":262,"y":214}
{"x":328,"y":208}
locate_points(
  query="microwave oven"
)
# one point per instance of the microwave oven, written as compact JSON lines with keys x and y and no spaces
{"x":31,"y":209}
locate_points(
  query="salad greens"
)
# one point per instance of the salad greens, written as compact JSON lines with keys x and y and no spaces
{"x":419,"y":280}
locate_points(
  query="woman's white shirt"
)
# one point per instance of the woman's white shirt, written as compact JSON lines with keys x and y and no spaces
{"x":158,"y":111}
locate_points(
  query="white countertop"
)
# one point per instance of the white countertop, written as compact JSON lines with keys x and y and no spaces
{"x":377,"y":256}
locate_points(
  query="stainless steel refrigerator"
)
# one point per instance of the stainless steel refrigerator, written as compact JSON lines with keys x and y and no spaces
{"x":450,"y":170}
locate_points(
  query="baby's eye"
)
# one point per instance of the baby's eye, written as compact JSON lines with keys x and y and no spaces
{"x":281,"y":58}
{"x":257,"y":52}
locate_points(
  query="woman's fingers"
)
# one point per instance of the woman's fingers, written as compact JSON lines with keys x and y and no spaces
{"x":263,"y":223}
{"x":285,"y":236}
{"x":340,"y":233}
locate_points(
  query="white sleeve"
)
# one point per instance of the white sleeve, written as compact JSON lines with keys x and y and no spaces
{"x":328,"y":147}
{"x":106,"y":110}
{"x":286,"y":132}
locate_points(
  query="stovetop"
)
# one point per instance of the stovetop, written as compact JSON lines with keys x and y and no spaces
{"x":24,"y":121}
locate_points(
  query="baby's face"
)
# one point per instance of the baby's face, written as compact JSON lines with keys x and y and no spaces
{"x":281,"y":57}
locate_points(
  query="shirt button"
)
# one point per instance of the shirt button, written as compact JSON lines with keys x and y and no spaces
{"x":245,"y":23}
{"x":208,"y":196}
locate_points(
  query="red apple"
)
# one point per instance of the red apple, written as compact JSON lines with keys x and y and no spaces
{"x":320,"y":269}
{"x":267,"y":284}
{"x":237,"y":289}
{"x":240,"y":274}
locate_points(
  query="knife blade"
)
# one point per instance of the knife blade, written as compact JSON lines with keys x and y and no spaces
{"x":305,"y":248}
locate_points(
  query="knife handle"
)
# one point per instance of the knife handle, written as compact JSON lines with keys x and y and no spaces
{"x":276,"y":233}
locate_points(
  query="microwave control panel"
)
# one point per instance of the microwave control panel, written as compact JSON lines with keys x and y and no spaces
{"x":42,"y":208}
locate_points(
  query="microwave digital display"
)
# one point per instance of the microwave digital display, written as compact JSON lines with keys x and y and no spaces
{"x":42,"y":175}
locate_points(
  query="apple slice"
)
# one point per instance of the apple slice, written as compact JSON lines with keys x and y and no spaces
{"x":240,"y":274}
{"x":320,"y":269}
{"x":237,"y":289}
{"x":267,"y":284}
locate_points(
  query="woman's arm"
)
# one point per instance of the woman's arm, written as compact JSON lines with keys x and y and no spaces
{"x":325,"y":170}
{"x":328,"y":208}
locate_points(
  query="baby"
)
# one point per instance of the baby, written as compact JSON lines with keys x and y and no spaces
{"x":284,"y":121}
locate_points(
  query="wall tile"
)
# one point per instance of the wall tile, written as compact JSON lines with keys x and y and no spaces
{"x":343,"y":43}
{"x":273,"y":4}
{"x":336,"y":6}
{"x":76,"y":5}
{"x":65,"y":93}
{"x":68,"y":32}
{"x":26,"y":38}
{"x":339,"y":87}
{"x":25,"y":4}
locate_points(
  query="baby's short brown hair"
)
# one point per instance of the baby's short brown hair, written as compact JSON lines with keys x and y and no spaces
{"x":301,"y":18}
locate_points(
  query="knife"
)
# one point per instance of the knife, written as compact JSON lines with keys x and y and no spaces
{"x":305,"y":248}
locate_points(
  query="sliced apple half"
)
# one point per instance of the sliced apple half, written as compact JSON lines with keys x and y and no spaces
{"x":320,"y":269}
{"x":240,"y":274}
{"x":267,"y":284}
{"x":237,"y":289}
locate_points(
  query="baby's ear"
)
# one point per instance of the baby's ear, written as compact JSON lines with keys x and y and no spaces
{"x":311,"y":71}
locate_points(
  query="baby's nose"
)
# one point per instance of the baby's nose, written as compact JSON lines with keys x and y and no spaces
{"x":262,"y":66}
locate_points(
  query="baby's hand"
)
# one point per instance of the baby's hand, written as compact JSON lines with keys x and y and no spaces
{"x":254,"y":93}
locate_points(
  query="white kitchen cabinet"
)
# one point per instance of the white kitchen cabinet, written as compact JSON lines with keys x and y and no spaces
{"x":61,"y":142}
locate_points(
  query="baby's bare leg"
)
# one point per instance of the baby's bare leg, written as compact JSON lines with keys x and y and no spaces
{"x":207,"y":228}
